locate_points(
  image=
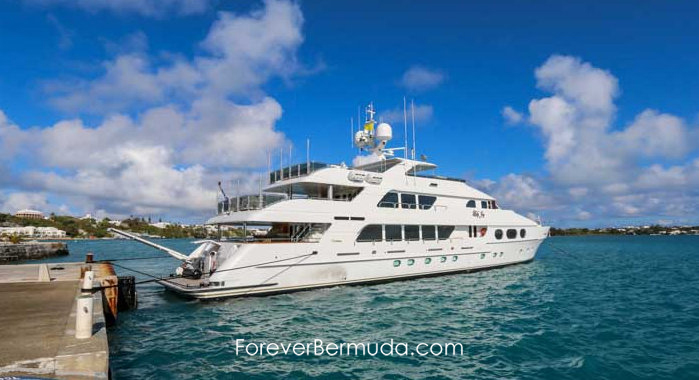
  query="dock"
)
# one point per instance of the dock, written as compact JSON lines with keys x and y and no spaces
{"x":38,"y":320}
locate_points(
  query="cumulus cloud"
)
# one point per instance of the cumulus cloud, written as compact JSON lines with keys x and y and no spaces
{"x":148,"y":8}
{"x":594,"y":168}
{"x":423,"y":114}
{"x":171,"y":131}
{"x":511,"y":116}
{"x":419,"y":78}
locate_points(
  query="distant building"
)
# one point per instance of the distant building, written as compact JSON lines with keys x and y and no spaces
{"x":115,"y":223}
{"x":161,"y":224}
{"x":29,"y":214}
{"x":34,"y":232}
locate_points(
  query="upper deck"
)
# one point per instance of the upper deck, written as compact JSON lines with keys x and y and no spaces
{"x":328,"y":187}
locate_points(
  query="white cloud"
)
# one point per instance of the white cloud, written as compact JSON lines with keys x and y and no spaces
{"x":241,"y":52}
{"x":511,"y":116}
{"x":595,"y":170}
{"x":423,"y":114}
{"x":15,"y":201}
{"x":419,"y":78}
{"x":171,"y":131}
{"x":148,"y":8}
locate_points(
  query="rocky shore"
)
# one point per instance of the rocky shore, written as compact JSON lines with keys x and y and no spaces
{"x":31,"y":251}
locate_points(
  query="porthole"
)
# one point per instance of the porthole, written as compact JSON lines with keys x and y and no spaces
{"x":428,"y":260}
{"x":498,"y":234}
{"x":396,"y":263}
{"x":443,"y":259}
{"x":482,"y":255}
{"x":495,"y":254}
{"x":522,"y":233}
{"x":454,"y":258}
{"x":511,"y":233}
{"x":500,"y":254}
{"x":411,"y":262}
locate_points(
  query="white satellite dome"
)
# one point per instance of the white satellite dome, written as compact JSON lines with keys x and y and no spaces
{"x":384,"y":132}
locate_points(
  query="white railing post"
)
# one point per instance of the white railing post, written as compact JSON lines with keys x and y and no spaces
{"x":83,"y":312}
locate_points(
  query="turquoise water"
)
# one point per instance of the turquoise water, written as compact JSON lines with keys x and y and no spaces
{"x":607,"y":308}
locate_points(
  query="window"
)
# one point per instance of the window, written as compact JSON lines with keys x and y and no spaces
{"x":471,"y":204}
{"x":428,"y":233}
{"x":454,"y":258}
{"x":371,"y":232}
{"x":390,"y":200}
{"x":444,"y":232}
{"x":426,"y":201}
{"x":428,"y":260}
{"x":396,"y":263}
{"x":412,"y":232}
{"x":393,"y":232}
{"x":470,"y":231}
{"x":511,"y":233}
{"x":408,"y":201}
{"x":411,"y":261}
{"x":498,"y":234}
{"x":443,"y":259}
{"x":522,"y":233}
{"x":484,"y":204}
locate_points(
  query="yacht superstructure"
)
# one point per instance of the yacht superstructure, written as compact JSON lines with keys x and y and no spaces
{"x":316,"y":225}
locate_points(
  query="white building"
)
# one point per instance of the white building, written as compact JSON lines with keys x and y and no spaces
{"x":161,"y":224}
{"x":34,"y":232}
{"x":29,"y":214}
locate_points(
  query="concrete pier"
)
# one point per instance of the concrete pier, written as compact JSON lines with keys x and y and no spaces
{"x":37,"y":323}
{"x":31,"y":251}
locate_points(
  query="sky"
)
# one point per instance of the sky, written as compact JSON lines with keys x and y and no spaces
{"x":585,"y":114}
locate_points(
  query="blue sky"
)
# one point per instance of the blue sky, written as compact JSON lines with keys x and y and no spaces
{"x":134,"y":108}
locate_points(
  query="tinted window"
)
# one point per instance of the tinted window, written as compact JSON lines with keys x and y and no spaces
{"x":511,"y":233}
{"x":498,"y":234}
{"x":371,"y":232}
{"x":408,"y":201}
{"x":495,"y":205}
{"x":389,"y":200}
{"x":522,"y":233}
{"x":393,"y":232}
{"x":412,"y":232}
{"x":484,"y":204}
{"x":426,"y":201}
{"x":471,"y":204}
{"x":444,"y":232}
{"x":428,"y":233}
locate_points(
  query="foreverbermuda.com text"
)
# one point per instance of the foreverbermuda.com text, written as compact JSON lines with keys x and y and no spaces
{"x":319,"y":348}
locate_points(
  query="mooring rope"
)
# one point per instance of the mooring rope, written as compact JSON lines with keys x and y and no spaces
{"x":155,"y":278}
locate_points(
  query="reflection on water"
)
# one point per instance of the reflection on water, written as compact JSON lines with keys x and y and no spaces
{"x":603,"y":307}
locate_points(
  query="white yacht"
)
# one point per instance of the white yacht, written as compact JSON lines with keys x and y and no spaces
{"x":316,"y":225}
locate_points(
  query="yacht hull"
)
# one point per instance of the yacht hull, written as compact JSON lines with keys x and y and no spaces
{"x":258,"y":270}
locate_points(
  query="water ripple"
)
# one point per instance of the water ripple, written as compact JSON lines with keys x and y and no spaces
{"x":604,"y":308}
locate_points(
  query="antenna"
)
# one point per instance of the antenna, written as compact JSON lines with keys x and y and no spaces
{"x":308,"y":155}
{"x":352,"y":132}
{"x":290,"y":160}
{"x":281,"y":162}
{"x":412,"y":109}
{"x":405,"y":130}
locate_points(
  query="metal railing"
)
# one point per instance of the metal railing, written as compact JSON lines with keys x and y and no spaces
{"x":412,"y":206}
{"x":295,"y":171}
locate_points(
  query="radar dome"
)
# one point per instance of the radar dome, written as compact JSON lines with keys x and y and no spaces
{"x":384,"y":132}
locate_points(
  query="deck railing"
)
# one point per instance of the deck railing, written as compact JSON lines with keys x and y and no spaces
{"x":295,"y":171}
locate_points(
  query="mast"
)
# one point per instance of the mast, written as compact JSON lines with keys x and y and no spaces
{"x":412,"y":108}
{"x":405,"y":131}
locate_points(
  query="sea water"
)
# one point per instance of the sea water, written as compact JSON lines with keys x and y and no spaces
{"x":603,"y":307}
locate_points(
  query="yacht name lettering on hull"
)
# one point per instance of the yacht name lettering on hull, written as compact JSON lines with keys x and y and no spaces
{"x":478,"y":214}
